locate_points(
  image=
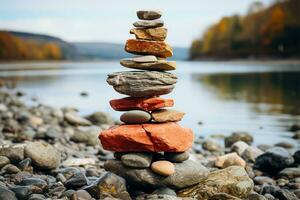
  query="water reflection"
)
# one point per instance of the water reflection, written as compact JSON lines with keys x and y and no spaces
{"x":268,"y":93}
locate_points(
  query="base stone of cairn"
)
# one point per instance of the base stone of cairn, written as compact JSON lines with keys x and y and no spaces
{"x":150,"y":147}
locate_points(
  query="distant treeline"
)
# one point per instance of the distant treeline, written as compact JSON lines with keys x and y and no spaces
{"x":15,"y":48}
{"x":263,"y":32}
{"x":16,"y":45}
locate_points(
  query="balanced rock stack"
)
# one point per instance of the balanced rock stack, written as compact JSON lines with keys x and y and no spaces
{"x":150,"y":147}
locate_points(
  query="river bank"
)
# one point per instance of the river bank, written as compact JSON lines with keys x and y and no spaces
{"x":223,"y":94}
{"x":54,"y":153}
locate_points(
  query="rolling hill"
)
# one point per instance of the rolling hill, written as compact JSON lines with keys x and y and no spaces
{"x":42,"y":44}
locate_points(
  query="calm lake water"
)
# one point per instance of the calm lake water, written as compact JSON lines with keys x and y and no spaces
{"x":260,"y":98}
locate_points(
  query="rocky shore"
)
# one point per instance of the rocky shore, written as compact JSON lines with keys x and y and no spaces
{"x":54,"y":153}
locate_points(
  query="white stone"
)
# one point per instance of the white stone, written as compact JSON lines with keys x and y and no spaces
{"x":239,"y":147}
{"x":143,"y":59}
{"x":78,"y":162}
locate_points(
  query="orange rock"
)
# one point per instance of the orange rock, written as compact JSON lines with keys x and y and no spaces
{"x":126,"y":138}
{"x":166,"y":137}
{"x":135,"y":103}
{"x":144,"y":47}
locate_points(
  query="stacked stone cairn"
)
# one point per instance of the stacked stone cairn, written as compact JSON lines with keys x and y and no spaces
{"x":150,"y":147}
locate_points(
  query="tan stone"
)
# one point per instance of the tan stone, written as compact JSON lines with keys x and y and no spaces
{"x":163,"y":167}
{"x":145,"y":47}
{"x":164,"y":115}
{"x":231,"y":159}
{"x":158,"y":34}
{"x":233,"y":181}
{"x":160,"y":65}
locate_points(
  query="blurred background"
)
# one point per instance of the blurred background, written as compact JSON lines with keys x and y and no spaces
{"x":238,"y":61}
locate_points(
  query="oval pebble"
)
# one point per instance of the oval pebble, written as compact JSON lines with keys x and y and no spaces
{"x":135,"y":117}
{"x":176,"y":157}
{"x":137,"y":160}
{"x":162,"y":167}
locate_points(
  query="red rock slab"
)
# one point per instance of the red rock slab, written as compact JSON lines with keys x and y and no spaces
{"x":136,"y":103}
{"x":146,"y":47}
{"x":166,"y":137}
{"x":126,"y":138}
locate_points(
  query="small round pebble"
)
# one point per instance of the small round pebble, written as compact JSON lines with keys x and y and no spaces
{"x":177,"y":157}
{"x":4,"y":161}
{"x":81,"y":195}
{"x":137,"y":160}
{"x":164,"y":168}
{"x":165,"y":191}
{"x":135,"y":117}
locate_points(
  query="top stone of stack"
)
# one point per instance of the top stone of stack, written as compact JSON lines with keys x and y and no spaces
{"x":148,"y":14}
{"x":149,"y":44}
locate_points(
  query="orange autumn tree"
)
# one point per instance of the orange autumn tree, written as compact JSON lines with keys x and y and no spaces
{"x":272,"y":31}
{"x":15,"y":48}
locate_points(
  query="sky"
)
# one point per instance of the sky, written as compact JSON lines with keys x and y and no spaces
{"x":111,"y":20}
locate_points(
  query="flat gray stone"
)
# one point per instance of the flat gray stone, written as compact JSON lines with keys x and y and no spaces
{"x":186,"y":174}
{"x":142,"y":83}
{"x":74,"y":119}
{"x":135,"y":117}
{"x":160,"y":65}
{"x":290,"y":173}
{"x":137,"y":160}
{"x":148,"y":24}
{"x":148,"y":14}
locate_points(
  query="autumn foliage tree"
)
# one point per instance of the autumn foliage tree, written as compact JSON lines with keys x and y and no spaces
{"x":15,"y":48}
{"x":273,"y":31}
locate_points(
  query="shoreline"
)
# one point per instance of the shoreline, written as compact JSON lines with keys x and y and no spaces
{"x":54,"y":65}
{"x":75,"y":159}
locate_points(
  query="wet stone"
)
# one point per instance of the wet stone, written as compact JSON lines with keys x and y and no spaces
{"x":37,"y":197}
{"x":10,"y":169}
{"x":24,"y":164}
{"x":22,"y":192}
{"x":137,"y":160}
{"x":81,"y":195}
{"x":284,"y":194}
{"x":176,"y":157}
{"x":76,"y":181}
{"x":165,"y":191}
{"x":3,"y":161}
{"x":160,"y":65}
{"x":149,"y":14}
{"x":238,"y":136}
{"x":108,"y":185}
{"x":135,"y":117}
{"x":239,"y":147}
{"x":148,"y":24}
{"x":43,"y":155}
{"x":274,"y":160}
{"x":14,"y":153}
{"x":39,"y":183}
{"x":7,"y":194}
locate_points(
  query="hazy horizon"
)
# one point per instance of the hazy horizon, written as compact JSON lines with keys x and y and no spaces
{"x":81,"y":21}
